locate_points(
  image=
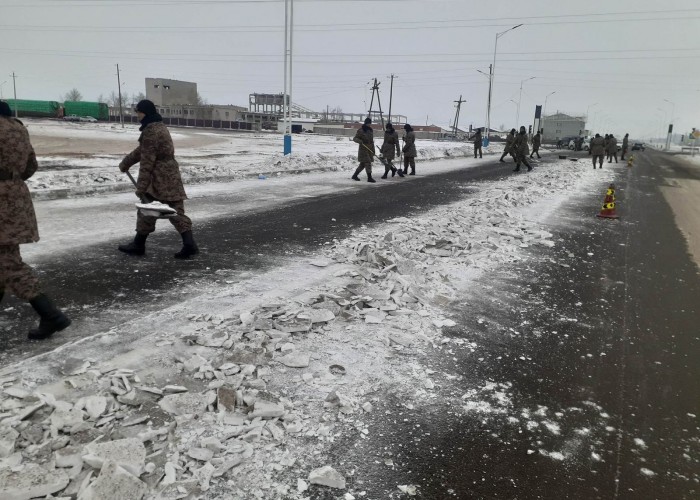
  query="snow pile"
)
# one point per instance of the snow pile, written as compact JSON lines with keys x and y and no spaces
{"x":248,"y":394}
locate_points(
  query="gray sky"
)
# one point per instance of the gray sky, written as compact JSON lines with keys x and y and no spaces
{"x":622,"y":58}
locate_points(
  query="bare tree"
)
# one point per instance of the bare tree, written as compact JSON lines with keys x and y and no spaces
{"x":201,"y":101}
{"x":73,"y":95}
{"x":101,"y":98}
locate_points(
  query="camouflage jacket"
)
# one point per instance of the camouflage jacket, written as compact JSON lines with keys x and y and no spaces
{"x":537,"y":140}
{"x":409,"y":147}
{"x":478,"y":140}
{"x":391,"y":144}
{"x":612,"y":145}
{"x":510,"y":139}
{"x":598,"y":146}
{"x":159,"y":174}
{"x":365,"y":138}
{"x":520,"y":145}
{"x":17,"y":164}
{"x":625,"y":142}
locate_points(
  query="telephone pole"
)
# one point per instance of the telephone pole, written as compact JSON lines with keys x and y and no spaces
{"x":375,"y":90}
{"x":391,"y":93}
{"x":121,"y":109}
{"x":14,"y":86}
{"x":459,"y":105}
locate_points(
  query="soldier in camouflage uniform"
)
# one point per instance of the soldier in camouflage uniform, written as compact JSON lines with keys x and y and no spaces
{"x":597,"y":149}
{"x":159,"y":180}
{"x":536,"y":141}
{"x":365,"y":152}
{"x":508,"y":149}
{"x":521,"y":150}
{"x":478,"y":142}
{"x":390,"y":144}
{"x":409,"y":150}
{"x":18,"y":224}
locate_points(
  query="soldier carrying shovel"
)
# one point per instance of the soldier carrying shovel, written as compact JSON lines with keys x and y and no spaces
{"x":159,"y":180}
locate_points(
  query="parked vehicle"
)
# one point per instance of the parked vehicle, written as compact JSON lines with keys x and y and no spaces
{"x":638,"y":146}
{"x":72,"y":118}
{"x":585,"y":145}
{"x":90,"y":119}
{"x":564,"y":141}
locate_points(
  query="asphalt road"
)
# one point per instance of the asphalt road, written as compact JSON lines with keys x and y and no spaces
{"x":593,"y":351}
{"x":99,"y":286}
{"x":594,"y":355}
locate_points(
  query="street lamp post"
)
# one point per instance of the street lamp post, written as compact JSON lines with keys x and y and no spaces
{"x":517,"y":106}
{"x":489,"y":78}
{"x":665,"y":122}
{"x":288,"y":51}
{"x":493,"y":76}
{"x":544,"y":111}
{"x":517,"y":117}
{"x":587,"y":110}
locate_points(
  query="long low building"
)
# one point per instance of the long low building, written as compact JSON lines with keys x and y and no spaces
{"x":560,"y":125}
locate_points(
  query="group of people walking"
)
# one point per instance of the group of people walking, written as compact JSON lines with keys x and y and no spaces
{"x":158,"y":180}
{"x":389,"y":150}
{"x":517,"y":147}
{"x":606,"y":147}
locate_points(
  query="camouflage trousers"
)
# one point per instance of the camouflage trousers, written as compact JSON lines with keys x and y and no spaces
{"x":366,"y":166}
{"x":182,"y":223}
{"x":16,"y":276}
{"x":409,"y":161}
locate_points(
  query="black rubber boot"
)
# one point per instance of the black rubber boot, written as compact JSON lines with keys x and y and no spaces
{"x":517,"y":168}
{"x":189,"y":247}
{"x":413,"y":171}
{"x":52,"y":319}
{"x":400,"y":172}
{"x":357,"y":171}
{"x":369,"y":179}
{"x":393,"y":171}
{"x":136,"y":247}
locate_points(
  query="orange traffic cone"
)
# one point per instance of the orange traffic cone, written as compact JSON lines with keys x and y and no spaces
{"x":608,"y":210}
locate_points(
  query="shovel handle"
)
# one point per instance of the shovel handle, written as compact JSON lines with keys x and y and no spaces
{"x":142,"y":197}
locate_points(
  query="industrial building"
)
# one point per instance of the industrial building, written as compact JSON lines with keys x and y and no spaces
{"x":164,"y":92}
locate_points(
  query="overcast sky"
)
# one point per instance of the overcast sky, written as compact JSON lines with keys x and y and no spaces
{"x":624,"y":59}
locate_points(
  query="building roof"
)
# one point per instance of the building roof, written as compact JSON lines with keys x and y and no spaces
{"x":564,"y":117}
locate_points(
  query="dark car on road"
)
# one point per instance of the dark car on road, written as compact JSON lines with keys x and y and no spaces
{"x":638,"y":146}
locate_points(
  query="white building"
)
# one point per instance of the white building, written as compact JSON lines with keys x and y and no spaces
{"x":560,"y":125}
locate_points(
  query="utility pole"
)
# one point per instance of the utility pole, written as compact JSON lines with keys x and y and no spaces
{"x":121,"y":109}
{"x":488,"y":102}
{"x":456,"y":123}
{"x":391,"y":93}
{"x":14,"y":86}
{"x":375,"y":89}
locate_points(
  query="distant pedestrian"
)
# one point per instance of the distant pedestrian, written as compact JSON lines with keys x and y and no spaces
{"x":597,"y":150}
{"x":365,"y":152}
{"x":478,"y":141}
{"x":625,"y":145}
{"x":536,"y":141}
{"x":508,"y":149}
{"x":159,"y":180}
{"x":409,"y":150}
{"x":18,"y":225}
{"x":521,"y":150}
{"x":389,"y":146}
{"x":612,"y":148}
{"x":607,"y":141}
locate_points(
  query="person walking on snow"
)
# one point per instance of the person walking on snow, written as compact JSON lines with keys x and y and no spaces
{"x":478,"y":142}
{"x":365,"y":152}
{"x":390,"y":144}
{"x":159,"y":180}
{"x":607,"y":141}
{"x":625,"y":145}
{"x":409,"y":150}
{"x":521,"y":150}
{"x":612,"y":149}
{"x":536,"y":141}
{"x":18,"y":225}
{"x":597,"y":150}
{"x":510,"y":139}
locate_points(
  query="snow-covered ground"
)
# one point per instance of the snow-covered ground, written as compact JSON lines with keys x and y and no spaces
{"x":204,"y":156}
{"x":240,"y":391}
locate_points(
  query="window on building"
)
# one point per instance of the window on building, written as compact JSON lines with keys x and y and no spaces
{"x":166,"y":87}
{"x":155,"y":86}
{"x":227,"y":114}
